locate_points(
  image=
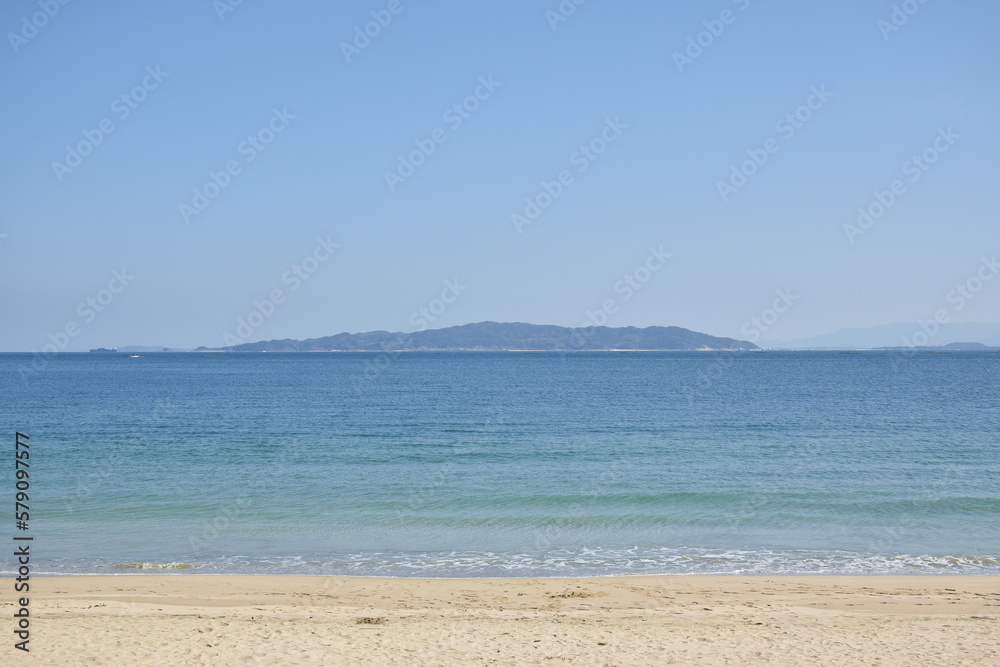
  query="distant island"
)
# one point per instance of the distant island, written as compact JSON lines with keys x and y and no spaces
{"x":962,"y":347}
{"x":500,"y":336}
{"x":896,"y":335}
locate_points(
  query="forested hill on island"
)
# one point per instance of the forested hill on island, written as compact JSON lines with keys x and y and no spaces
{"x":496,"y":336}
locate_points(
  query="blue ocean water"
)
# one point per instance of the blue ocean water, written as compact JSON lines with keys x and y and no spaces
{"x":510,"y":464}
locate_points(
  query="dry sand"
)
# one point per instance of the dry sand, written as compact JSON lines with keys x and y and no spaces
{"x":716,"y":620}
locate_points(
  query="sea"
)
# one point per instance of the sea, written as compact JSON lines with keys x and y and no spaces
{"x":467,"y":464}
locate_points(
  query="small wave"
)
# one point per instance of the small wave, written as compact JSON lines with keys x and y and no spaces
{"x":560,"y":562}
{"x":152,"y":566}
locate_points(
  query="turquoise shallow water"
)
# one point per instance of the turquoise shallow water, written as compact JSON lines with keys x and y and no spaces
{"x":494,"y":464}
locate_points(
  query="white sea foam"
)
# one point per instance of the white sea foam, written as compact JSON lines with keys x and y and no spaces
{"x":565,"y":563}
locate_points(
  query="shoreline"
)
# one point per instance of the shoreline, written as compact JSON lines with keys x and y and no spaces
{"x":185,"y":572}
{"x":622,"y":620}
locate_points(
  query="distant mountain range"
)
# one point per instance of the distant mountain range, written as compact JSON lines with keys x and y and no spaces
{"x":895,"y":335}
{"x":498,"y":336}
{"x":965,"y":347}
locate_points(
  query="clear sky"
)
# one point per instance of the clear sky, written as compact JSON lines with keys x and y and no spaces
{"x":116,"y":113}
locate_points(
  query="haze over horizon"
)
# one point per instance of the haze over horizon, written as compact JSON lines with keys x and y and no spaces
{"x":898,"y":334}
{"x":172,"y":170}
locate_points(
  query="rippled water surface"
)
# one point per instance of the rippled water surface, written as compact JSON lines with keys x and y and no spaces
{"x":512,"y":464}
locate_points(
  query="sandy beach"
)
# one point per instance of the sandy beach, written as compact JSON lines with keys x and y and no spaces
{"x":701,"y":620}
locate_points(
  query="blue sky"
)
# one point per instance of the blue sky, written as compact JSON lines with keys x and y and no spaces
{"x":201,"y":90}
